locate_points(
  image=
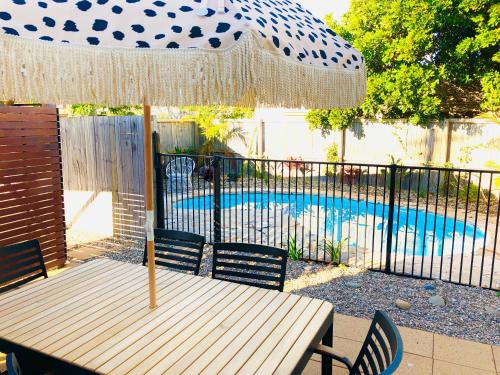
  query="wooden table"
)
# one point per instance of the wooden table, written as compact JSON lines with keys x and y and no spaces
{"x":95,"y":318}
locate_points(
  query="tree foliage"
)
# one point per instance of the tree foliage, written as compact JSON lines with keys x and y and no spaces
{"x":426,"y":58}
{"x":330,"y":119}
{"x":100,"y":110}
{"x":214,"y":123}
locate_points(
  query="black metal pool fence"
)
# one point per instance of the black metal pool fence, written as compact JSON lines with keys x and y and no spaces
{"x":442,"y":222}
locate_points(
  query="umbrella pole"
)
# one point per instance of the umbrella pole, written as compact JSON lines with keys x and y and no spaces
{"x":148,"y":173}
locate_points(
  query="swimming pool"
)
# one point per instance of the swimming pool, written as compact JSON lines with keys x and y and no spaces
{"x":413,"y":231}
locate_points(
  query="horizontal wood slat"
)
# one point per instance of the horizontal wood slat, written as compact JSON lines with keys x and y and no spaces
{"x":28,"y":110}
{"x":27,"y":155}
{"x":34,"y":162}
{"x":24,"y":125}
{"x":31,"y":195}
{"x":26,"y":132}
{"x":28,"y":117}
{"x":24,"y":140}
{"x":28,"y":177}
{"x":36,"y":210}
{"x":29,"y":185}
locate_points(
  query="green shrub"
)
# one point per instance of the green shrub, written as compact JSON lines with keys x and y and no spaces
{"x":294,"y":253}
{"x":334,"y":250}
{"x":332,"y":154}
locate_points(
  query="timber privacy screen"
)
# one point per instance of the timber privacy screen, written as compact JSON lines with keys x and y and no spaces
{"x":443,"y":223}
{"x":31,"y":192}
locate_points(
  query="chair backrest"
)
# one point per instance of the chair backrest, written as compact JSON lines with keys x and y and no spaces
{"x":178,"y":250}
{"x":181,"y":166}
{"x":250,"y":264}
{"x":20,"y":264}
{"x":382,"y":349}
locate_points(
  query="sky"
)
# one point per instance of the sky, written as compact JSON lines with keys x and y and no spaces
{"x":322,"y":7}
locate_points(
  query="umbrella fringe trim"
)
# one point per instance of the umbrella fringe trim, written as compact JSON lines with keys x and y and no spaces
{"x":246,"y":74}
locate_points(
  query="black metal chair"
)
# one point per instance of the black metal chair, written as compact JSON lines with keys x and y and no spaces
{"x":20,"y":264}
{"x":250,"y":264}
{"x":178,"y":250}
{"x":381,"y":352}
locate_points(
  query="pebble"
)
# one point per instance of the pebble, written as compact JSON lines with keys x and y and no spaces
{"x":437,"y":300}
{"x":403,"y":305}
{"x":353,"y":284}
{"x":429,"y":287}
{"x":492,"y":311}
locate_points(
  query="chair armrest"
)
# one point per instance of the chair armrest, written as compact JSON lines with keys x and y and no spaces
{"x":329,"y":352}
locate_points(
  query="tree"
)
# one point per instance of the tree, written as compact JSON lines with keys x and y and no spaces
{"x":330,"y":119}
{"x":214,"y":123}
{"x":101,"y":110}
{"x":426,"y":58}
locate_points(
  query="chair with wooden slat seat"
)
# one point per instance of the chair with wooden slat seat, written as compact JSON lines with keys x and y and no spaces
{"x":250,"y":264}
{"x":20,"y":264}
{"x":381,"y":352}
{"x":178,"y":250}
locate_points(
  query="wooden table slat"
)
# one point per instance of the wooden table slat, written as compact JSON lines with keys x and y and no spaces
{"x":279,"y":331}
{"x":45,"y":332}
{"x":92,"y":336}
{"x":287,"y":341}
{"x":33,"y":311}
{"x":192,"y":337}
{"x":228,"y":350}
{"x":198,"y":357}
{"x":97,"y":317}
{"x":304,"y":342}
{"x":59,"y":314}
{"x":246,"y":351}
{"x":11,"y":297}
{"x":138,"y":327}
{"x":153,"y":345}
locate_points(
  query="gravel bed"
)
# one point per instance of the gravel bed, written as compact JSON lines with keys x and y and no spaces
{"x":470,"y":313}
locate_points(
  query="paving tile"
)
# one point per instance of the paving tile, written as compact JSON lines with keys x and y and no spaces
{"x":464,"y":353}
{"x":85,"y":252}
{"x":349,"y":327}
{"x":446,"y":368}
{"x":314,"y":368}
{"x":411,"y":363}
{"x":349,"y":348}
{"x":417,"y":342}
{"x":414,"y":341}
{"x":415,"y":364}
{"x":496,"y":356}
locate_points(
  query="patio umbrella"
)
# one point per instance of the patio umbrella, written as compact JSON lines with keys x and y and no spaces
{"x":174,"y":52}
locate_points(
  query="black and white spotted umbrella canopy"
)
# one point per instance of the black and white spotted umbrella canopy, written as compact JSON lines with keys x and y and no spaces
{"x":175,"y":52}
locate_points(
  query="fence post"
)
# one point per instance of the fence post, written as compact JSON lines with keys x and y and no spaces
{"x":160,"y":182}
{"x":390,"y":221}
{"x":217,"y":192}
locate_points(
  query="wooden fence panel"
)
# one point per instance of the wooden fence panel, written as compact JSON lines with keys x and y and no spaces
{"x":174,"y":134}
{"x":105,"y":154}
{"x":31,"y":195}
{"x":128,"y":204}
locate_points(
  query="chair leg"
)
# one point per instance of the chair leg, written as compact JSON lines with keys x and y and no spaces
{"x":326,"y":361}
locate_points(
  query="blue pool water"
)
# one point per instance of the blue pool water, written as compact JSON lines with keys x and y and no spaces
{"x":364,"y":218}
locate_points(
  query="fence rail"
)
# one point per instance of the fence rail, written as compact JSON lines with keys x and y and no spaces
{"x":416,"y":221}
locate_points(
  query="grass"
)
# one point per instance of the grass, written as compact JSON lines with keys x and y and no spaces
{"x":294,"y":253}
{"x":334,"y":250}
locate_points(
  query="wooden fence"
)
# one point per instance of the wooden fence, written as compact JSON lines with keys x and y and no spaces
{"x":105,"y":154}
{"x":181,"y":134}
{"x":31,"y":196}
